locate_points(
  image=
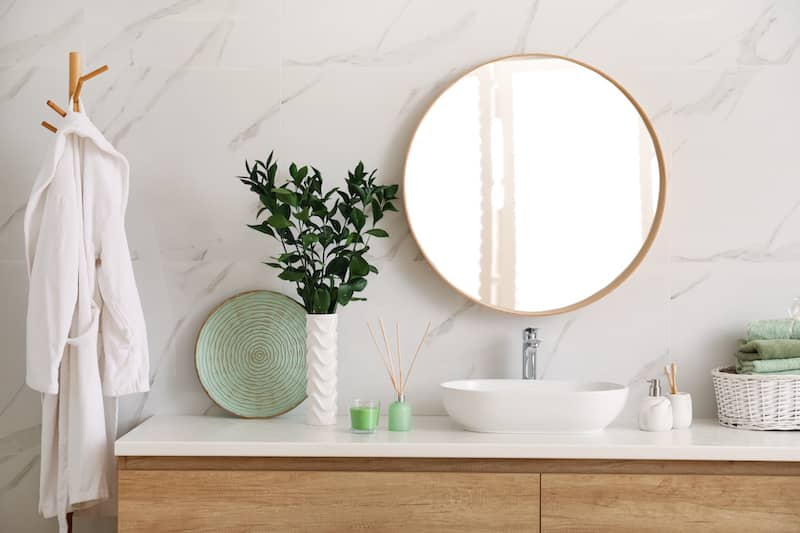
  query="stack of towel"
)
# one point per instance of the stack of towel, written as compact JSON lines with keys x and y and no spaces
{"x":771,"y":347}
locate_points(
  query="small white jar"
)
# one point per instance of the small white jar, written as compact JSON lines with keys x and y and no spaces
{"x":681,"y":410}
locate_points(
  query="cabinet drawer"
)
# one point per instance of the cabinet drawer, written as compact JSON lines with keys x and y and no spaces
{"x":618,"y":503}
{"x":211,"y":500}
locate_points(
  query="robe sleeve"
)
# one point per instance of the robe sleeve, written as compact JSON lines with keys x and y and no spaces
{"x":126,"y":361}
{"x":53,"y":289}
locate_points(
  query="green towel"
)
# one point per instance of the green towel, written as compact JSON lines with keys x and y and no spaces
{"x":785,"y":328}
{"x":768,"y":349}
{"x":771,"y":366}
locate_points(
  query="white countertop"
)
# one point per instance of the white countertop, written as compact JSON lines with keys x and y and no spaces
{"x":438,"y":436}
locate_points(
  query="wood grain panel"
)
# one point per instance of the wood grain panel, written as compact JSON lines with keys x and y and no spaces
{"x":679,"y":503}
{"x":213,"y":500}
{"x":408,"y":464}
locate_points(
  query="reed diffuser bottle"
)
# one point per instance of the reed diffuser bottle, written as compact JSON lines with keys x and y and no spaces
{"x":400,"y":414}
{"x":399,"y":410}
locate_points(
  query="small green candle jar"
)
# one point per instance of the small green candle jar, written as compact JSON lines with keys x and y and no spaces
{"x":400,"y":415}
{"x":364,"y":415}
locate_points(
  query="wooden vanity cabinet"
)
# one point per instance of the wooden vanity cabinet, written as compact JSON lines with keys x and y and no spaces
{"x":230,"y":494}
{"x":398,"y":494}
{"x":654,"y":502}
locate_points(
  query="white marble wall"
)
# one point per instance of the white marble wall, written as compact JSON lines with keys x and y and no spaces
{"x":198,"y":86}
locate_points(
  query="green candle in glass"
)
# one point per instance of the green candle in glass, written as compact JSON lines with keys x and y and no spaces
{"x":364,"y":416}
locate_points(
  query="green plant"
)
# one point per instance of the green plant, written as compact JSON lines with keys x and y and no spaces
{"x":325,"y":235}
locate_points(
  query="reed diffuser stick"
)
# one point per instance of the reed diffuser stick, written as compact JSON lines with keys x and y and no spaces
{"x":397,"y":376}
{"x":388,"y":349}
{"x":384,"y":359}
{"x":419,"y":347}
{"x":399,"y":358}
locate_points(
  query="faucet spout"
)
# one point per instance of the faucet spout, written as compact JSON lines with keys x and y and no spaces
{"x":530,"y":345}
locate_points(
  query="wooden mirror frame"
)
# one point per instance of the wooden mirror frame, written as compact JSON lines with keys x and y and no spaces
{"x":657,"y":217}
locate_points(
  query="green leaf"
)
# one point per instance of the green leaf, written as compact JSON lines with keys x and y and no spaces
{"x":285,"y":195}
{"x":358,"y":266}
{"x":344,"y":196}
{"x":351,"y":238}
{"x":327,"y":236}
{"x":377,"y":232}
{"x":358,"y":284}
{"x":292,"y":274}
{"x":263,"y":228}
{"x":302,"y":173}
{"x":322,"y":300}
{"x":355,"y":190}
{"x":357,"y":215}
{"x":345,"y":210}
{"x":389,"y":206}
{"x":373,"y":269}
{"x":377,"y":212}
{"x":287,"y":236}
{"x":278,"y":221}
{"x":337,"y":267}
{"x":268,"y":200}
{"x":274,"y":265}
{"x":309,"y":239}
{"x":289,"y":257}
{"x":345,"y":293}
{"x":390,"y":191}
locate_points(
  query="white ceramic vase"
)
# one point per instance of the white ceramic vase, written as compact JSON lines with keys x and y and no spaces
{"x":321,"y":362}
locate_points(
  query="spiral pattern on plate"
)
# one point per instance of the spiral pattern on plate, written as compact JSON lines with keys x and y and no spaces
{"x":250,"y":355}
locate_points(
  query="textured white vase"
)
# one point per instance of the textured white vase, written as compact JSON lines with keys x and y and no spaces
{"x":321,"y":362}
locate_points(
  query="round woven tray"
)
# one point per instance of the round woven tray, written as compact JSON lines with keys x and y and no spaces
{"x":250,"y":354}
{"x":749,"y":401}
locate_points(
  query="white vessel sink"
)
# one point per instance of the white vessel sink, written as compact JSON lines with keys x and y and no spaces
{"x":533,"y":406}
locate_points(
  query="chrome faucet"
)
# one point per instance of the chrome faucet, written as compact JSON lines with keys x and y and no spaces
{"x":529,"y":346}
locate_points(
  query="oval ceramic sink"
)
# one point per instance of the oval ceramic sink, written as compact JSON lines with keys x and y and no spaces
{"x":533,"y":406}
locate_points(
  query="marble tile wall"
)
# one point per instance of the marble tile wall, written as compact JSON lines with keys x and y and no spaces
{"x":198,"y":86}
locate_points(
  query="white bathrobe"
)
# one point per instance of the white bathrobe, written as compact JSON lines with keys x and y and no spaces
{"x":86,"y":338}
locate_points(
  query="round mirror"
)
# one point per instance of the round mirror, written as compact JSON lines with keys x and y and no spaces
{"x":534,"y":184}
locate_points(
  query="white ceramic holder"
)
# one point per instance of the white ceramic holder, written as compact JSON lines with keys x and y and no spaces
{"x":321,"y":361}
{"x":681,"y":410}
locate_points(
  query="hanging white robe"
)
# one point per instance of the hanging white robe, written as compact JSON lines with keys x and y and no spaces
{"x":86,"y":337}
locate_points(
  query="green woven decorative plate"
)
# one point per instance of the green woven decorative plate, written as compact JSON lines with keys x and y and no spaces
{"x":250,"y":354}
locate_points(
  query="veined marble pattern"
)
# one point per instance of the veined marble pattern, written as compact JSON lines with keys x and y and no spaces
{"x":198,"y":86}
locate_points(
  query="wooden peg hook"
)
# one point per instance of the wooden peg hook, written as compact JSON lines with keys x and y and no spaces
{"x":76,"y":82}
{"x":79,"y":86}
{"x":52,"y":105}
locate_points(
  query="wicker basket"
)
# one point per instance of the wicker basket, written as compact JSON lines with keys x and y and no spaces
{"x":748,"y":401}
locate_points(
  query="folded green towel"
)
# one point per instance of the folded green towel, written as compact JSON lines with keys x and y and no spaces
{"x":768,"y":349}
{"x":785,"y":328}
{"x":770,"y":366}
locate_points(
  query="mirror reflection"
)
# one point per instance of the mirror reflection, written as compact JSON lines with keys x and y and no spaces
{"x":534,"y":184}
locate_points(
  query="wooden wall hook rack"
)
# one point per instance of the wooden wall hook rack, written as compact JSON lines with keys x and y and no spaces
{"x":76,"y":82}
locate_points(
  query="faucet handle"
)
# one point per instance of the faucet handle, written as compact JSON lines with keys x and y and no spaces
{"x":529,"y":334}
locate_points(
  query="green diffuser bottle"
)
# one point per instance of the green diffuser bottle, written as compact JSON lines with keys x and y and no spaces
{"x":400,"y":410}
{"x":400,"y":414}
